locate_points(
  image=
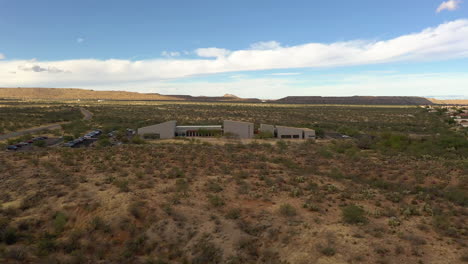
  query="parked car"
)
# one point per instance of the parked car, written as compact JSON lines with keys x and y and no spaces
{"x":69,"y":144}
{"x":12,"y":147}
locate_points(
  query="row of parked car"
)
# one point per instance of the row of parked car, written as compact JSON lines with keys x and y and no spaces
{"x":25,"y":143}
{"x":82,"y":139}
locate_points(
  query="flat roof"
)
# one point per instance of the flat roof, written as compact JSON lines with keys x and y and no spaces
{"x":298,"y":128}
{"x":212,"y":126}
{"x":238,"y":121}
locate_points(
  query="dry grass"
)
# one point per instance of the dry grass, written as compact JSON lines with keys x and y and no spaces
{"x":231,"y":203}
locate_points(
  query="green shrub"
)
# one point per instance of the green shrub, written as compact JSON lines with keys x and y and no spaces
{"x":46,"y":244}
{"x":60,"y":220}
{"x":281,"y":145}
{"x":457,"y":195}
{"x":182,"y":185}
{"x":122,"y":185}
{"x":206,"y":252}
{"x":10,"y":236}
{"x":136,"y":209}
{"x":40,"y":143}
{"x":68,"y":138}
{"x":353,"y":214}
{"x":391,"y":141}
{"x":215,"y":200}
{"x":97,"y":223}
{"x":151,"y":136}
{"x":328,"y":251}
{"x":287,"y":210}
{"x":213,"y":186}
{"x":233,"y":213}
{"x":138,"y":140}
{"x":264,"y":135}
{"x":104,"y":142}
{"x":17,"y":253}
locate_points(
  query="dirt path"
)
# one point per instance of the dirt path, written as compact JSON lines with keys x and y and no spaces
{"x":87,"y":115}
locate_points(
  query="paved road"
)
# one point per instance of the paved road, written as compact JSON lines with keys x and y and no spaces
{"x":87,"y":115}
{"x":30,"y":130}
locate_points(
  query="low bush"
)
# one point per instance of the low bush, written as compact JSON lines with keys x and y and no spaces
{"x":287,"y":210}
{"x":206,"y":252}
{"x":233,"y":213}
{"x":40,"y":143}
{"x":60,"y":220}
{"x":353,"y":214}
{"x":215,"y":200}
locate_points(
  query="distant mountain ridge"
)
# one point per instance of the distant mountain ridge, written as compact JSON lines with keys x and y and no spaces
{"x":75,"y":94}
{"x":225,"y":98}
{"x":83,"y":94}
{"x":356,"y":100}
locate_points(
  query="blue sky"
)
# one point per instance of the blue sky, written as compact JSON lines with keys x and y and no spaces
{"x":266,"y":49}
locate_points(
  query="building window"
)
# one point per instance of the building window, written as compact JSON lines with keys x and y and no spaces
{"x":295,"y":136}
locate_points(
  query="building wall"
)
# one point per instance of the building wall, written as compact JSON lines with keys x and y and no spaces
{"x":289,"y":132}
{"x":309,"y":134}
{"x":267,"y":128}
{"x":241,"y":129}
{"x":165,"y":130}
{"x":193,"y":131}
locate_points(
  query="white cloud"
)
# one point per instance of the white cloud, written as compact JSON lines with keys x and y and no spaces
{"x":38,"y":68}
{"x":285,"y":73}
{"x":265,"y":45}
{"x":449,"y":5}
{"x":2,"y":56}
{"x":170,"y":53}
{"x":212,"y":52}
{"x":446,"y":41}
{"x":80,"y":40}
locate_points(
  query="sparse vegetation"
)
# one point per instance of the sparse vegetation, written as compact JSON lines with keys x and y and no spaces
{"x":398,"y":194}
{"x":353,"y":214}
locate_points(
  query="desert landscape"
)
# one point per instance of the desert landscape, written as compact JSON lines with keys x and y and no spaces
{"x":234,"y":132}
{"x":394,"y":190}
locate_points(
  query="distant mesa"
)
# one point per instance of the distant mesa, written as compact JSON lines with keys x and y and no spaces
{"x":230,"y":96}
{"x":356,"y":100}
{"x":77,"y":94}
{"x":84,"y":94}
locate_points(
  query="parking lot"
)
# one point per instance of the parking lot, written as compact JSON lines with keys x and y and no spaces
{"x":85,"y":140}
{"x":36,"y":142}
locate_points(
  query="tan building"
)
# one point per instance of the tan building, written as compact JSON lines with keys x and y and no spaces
{"x":164,"y":130}
{"x":237,"y":129}
{"x":170,"y":129}
{"x":240,"y":129}
{"x":288,"y":132}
